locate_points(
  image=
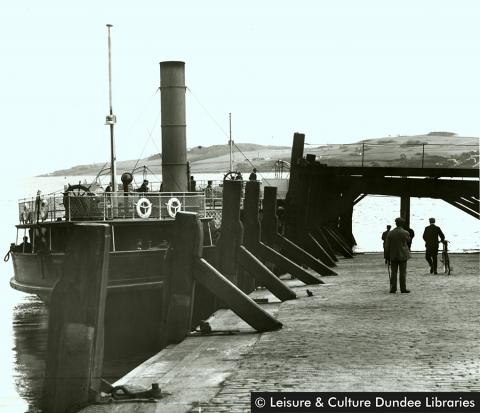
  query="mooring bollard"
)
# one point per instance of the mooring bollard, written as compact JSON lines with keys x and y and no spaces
{"x":184,"y":251}
{"x":76,"y":327}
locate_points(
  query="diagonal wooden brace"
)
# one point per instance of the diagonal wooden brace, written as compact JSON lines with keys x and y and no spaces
{"x":338,"y":242}
{"x":240,"y":303}
{"x":323,"y":254}
{"x":269,"y":254}
{"x":263,"y":275}
{"x":321,"y":238}
{"x":300,"y":256}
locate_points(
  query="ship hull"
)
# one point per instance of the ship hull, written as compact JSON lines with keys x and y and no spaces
{"x":36,"y":273}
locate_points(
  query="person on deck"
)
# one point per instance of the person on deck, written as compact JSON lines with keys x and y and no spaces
{"x":193,"y":184}
{"x":253,"y":175}
{"x":384,"y":237}
{"x":38,"y":205}
{"x":431,"y":235}
{"x":397,"y":253}
{"x":143,"y":187}
{"x":209,"y":193}
{"x":25,"y":246}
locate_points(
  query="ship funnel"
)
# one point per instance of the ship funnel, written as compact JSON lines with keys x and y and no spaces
{"x":174,"y":139}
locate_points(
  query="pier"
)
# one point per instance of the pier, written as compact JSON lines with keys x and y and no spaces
{"x":350,"y":335}
{"x":258,"y":312}
{"x":269,"y":302}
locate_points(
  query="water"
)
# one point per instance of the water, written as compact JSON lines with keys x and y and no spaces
{"x":23,"y":318}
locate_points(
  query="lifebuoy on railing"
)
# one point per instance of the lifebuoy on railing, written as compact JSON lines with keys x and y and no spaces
{"x":144,"y":208}
{"x":173,"y":206}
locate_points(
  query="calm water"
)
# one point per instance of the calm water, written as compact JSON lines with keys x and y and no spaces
{"x":23,"y":318}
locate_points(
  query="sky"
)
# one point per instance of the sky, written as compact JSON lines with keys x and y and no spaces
{"x":338,"y":71}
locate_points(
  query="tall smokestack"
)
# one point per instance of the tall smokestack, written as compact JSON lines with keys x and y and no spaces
{"x":174,"y":139}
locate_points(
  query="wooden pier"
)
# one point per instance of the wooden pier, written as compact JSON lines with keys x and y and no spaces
{"x":257,"y":266}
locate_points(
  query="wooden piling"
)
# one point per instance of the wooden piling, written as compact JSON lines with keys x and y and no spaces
{"x":346,"y":215}
{"x":231,"y":231}
{"x":76,"y":321}
{"x":269,"y":227}
{"x":405,"y":209}
{"x":251,"y":235}
{"x":184,"y":251}
{"x":272,"y":238}
{"x":251,"y":247}
{"x":261,"y":250}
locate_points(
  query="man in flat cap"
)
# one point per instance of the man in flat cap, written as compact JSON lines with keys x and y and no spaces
{"x":398,"y":253}
{"x":431,"y":235}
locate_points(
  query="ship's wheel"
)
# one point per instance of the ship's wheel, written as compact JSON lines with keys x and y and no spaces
{"x":77,"y":202}
{"x":233,"y":176}
{"x":78,"y":190}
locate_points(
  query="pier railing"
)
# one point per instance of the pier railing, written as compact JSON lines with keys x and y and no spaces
{"x":412,"y":154}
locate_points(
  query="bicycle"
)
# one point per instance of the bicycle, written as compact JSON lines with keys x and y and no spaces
{"x":446,"y":258}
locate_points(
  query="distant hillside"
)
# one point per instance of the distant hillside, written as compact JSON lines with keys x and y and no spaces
{"x":434,"y":149}
{"x":214,"y":158}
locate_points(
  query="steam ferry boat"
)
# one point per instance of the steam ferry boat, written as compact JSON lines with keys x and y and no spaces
{"x":141,"y":222}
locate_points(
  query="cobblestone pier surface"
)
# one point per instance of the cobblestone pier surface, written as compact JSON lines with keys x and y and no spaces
{"x":351,"y":335}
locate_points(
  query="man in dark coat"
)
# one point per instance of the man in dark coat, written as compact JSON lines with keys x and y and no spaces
{"x":143,"y":187}
{"x":397,"y":252}
{"x":384,"y":238}
{"x":411,"y":232}
{"x":431,"y":235}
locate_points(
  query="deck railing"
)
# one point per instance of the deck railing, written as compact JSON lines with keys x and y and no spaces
{"x":74,"y":206}
{"x":108,"y":205}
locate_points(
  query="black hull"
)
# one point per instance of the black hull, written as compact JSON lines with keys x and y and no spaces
{"x":129,"y":270}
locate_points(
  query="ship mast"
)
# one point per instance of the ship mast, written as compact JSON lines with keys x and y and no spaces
{"x":111,"y":118}
{"x":230,"y":142}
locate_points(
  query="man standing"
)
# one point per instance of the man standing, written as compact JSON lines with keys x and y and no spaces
{"x":431,"y":235}
{"x":411,"y":232}
{"x":384,"y":237}
{"x":144,"y":186}
{"x":397,"y":252}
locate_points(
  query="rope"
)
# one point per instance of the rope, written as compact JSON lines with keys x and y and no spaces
{"x":146,"y":142}
{"x":208,"y":113}
{"x":251,"y":163}
{"x":7,"y":256}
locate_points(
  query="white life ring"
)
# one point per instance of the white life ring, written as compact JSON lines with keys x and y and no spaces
{"x":173,"y":206}
{"x":144,"y":208}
